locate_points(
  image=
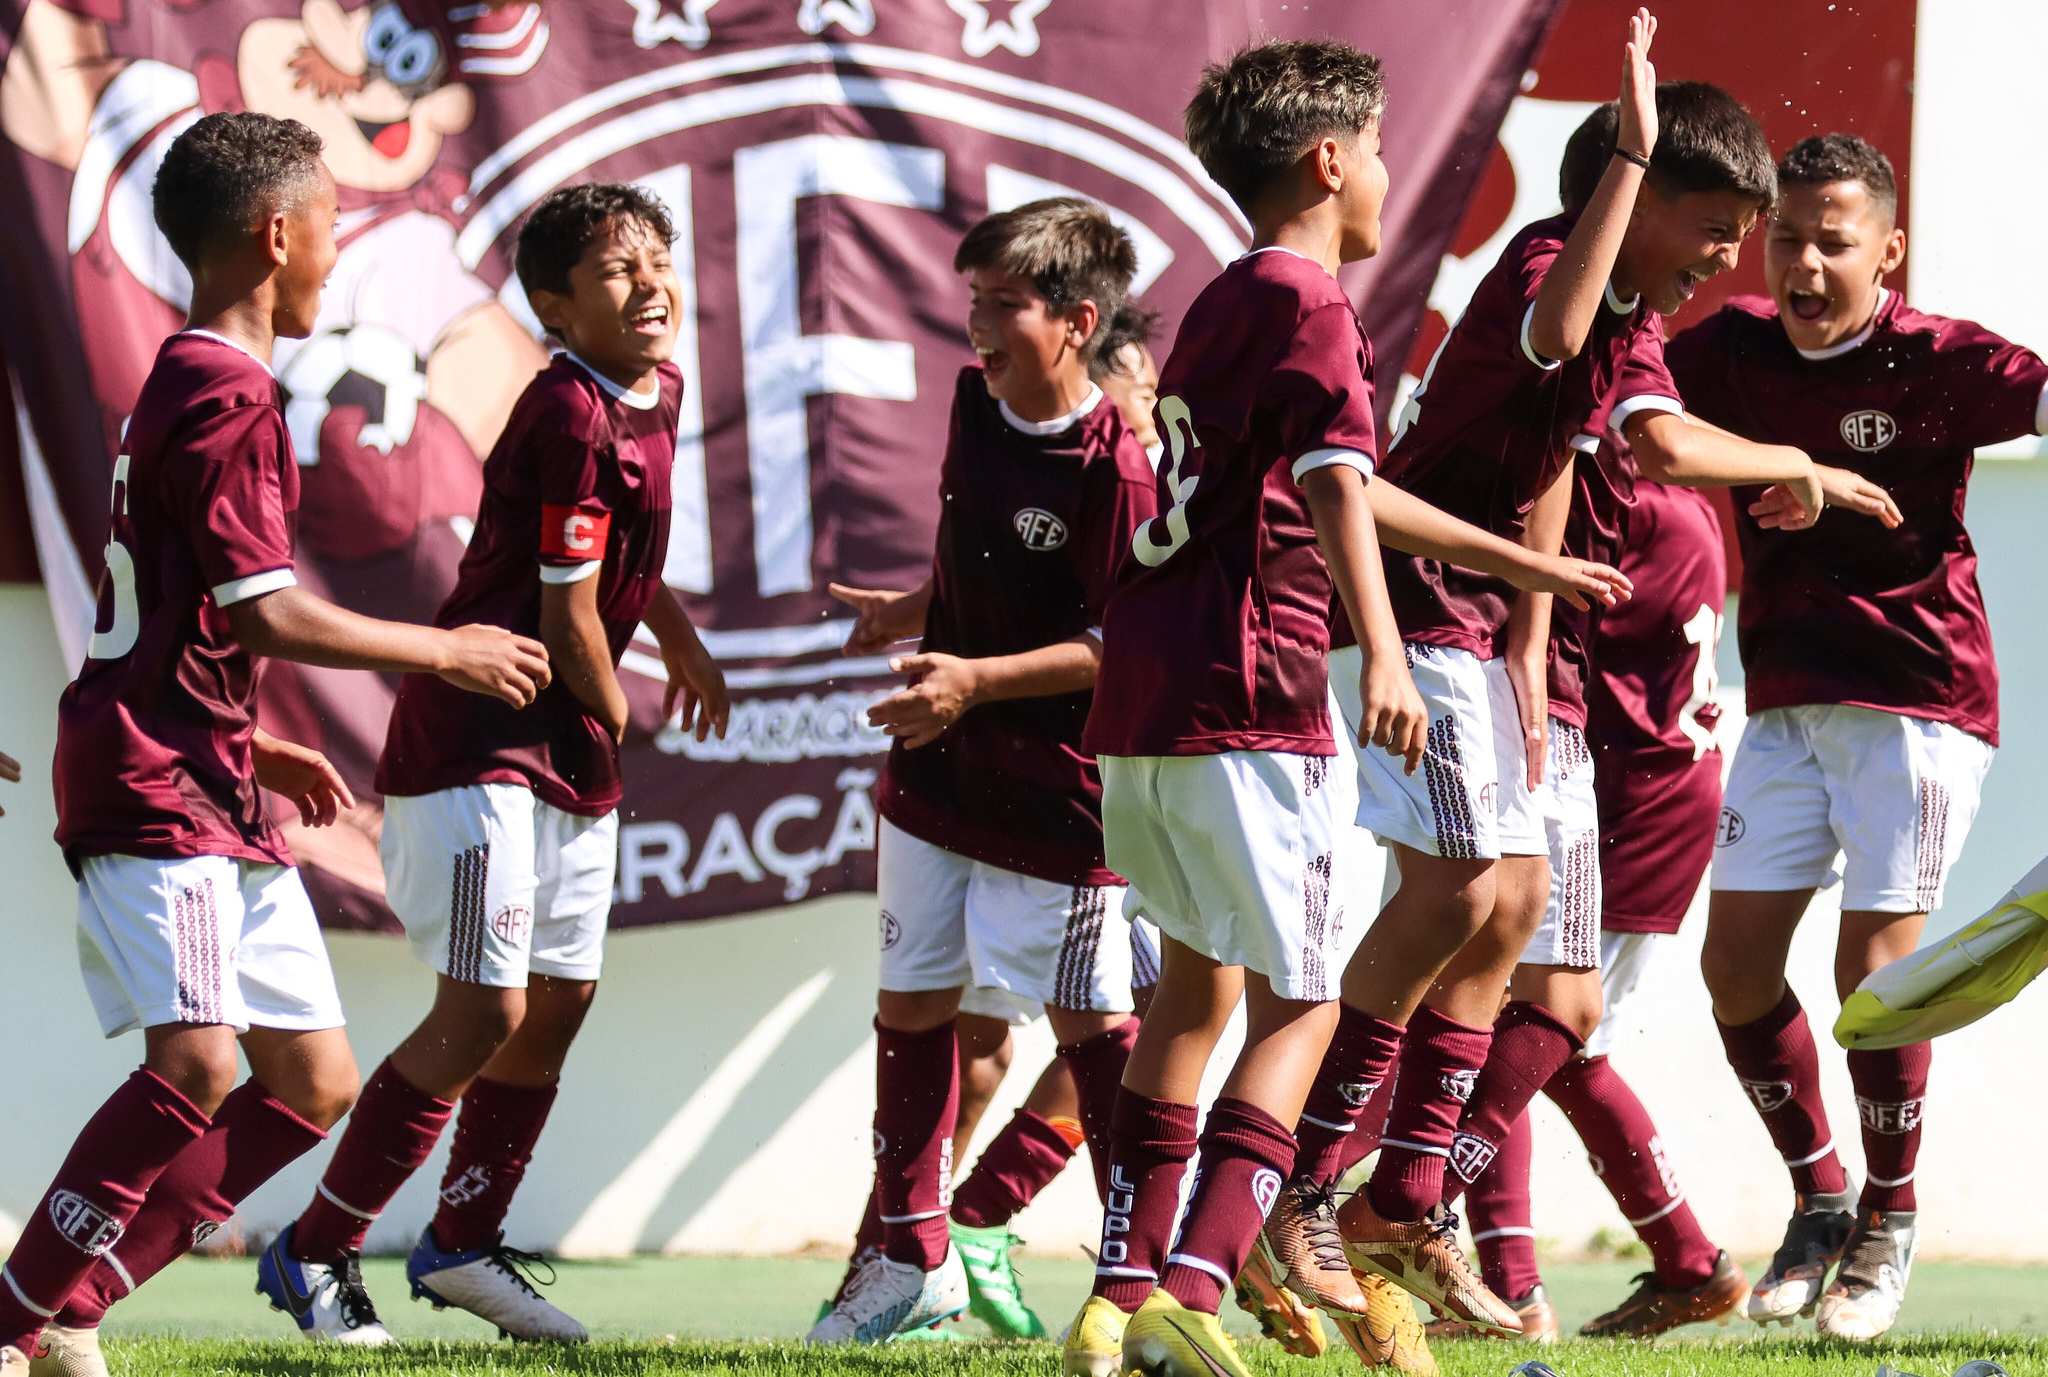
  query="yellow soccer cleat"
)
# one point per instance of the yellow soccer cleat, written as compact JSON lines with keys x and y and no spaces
{"x":1388,"y":1334}
{"x":1286,"y":1318}
{"x":1166,"y":1339}
{"x":1094,"y":1345}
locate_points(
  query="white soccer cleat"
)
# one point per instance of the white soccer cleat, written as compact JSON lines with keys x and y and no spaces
{"x":492,"y":1284}
{"x":13,"y":1362}
{"x":884,"y":1298}
{"x":1871,"y":1284}
{"x":63,"y":1352}
{"x":327,"y":1300}
{"x":1798,"y":1274}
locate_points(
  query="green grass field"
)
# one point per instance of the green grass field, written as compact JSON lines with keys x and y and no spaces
{"x":742,"y":1315}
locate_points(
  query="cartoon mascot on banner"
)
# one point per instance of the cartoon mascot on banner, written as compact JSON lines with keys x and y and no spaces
{"x":414,"y":363}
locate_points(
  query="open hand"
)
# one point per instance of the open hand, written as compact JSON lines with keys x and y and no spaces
{"x":941,"y":689}
{"x":1791,"y":506}
{"x":1851,"y":491}
{"x":491,"y":660}
{"x":696,"y":678}
{"x":1576,"y":580}
{"x":1637,"y":132}
{"x":1391,"y":712}
{"x":885,"y":618}
{"x":304,"y":776}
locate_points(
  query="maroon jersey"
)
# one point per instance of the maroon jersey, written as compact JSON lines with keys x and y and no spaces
{"x":153,"y":737}
{"x":1849,"y":612}
{"x":1032,"y":524}
{"x":1490,"y":427}
{"x":1218,"y":636}
{"x":577,"y":485}
{"x":1651,"y":714}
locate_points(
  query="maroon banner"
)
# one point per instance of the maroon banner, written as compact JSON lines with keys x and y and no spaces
{"x":821,"y":159}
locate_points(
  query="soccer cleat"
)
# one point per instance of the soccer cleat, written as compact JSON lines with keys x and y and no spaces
{"x":1871,"y":1282}
{"x":885,"y":1297}
{"x":1301,"y":1234}
{"x":326,"y":1299}
{"x":65,"y":1352}
{"x":1539,"y":1321}
{"x":496,"y":1285}
{"x":13,"y":1362}
{"x":1166,"y":1339}
{"x":995,"y":1296}
{"x":1094,"y":1344}
{"x":1388,"y":1334}
{"x":1423,"y":1259}
{"x":1792,"y":1285}
{"x":1655,"y":1308}
{"x":1284,"y":1317}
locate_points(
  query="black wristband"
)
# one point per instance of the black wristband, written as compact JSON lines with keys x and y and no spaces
{"x":1638,"y":159}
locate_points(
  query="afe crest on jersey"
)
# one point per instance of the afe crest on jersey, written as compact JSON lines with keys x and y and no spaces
{"x":1039,"y":529}
{"x":1868,"y":431}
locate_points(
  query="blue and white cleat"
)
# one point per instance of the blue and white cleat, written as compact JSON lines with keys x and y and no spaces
{"x":326,"y":1299}
{"x":496,"y":1285}
{"x":885,"y":1298}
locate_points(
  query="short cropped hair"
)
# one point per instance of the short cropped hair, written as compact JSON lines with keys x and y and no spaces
{"x":569,"y":218}
{"x":1258,"y":114}
{"x":1132,"y":324}
{"x":1828,"y":158}
{"x":1706,"y":141}
{"x":1069,"y":248}
{"x":225,"y":172}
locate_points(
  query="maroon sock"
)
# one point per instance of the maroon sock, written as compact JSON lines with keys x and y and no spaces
{"x":1360,"y":1059}
{"x":1098,"y":1067}
{"x":252,"y":1138}
{"x":1440,"y":1063}
{"x":1497,"y":1208}
{"x":917,"y":1097}
{"x":392,"y":1129}
{"x":119,"y":1154}
{"x":1150,"y":1143}
{"x":1364,"y":1139}
{"x":867,"y":1235}
{"x":1629,"y":1159}
{"x":1891,"y":1093}
{"x":1017,"y":1164}
{"x":1779,"y":1067}
{"x":494,"y":1138}
{"x":1246,"y":1155}
{"x":1529,"y":1045}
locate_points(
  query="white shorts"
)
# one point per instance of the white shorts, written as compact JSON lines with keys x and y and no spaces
{"x":1894,"y":795}
{"x":1624,"y":957}
{"x":1470,"y":799}
{"x":949,"y":921}
{"x":1144,"y":951}
{"x":1244,"y":857}
{"x":1569,"y":934}
{"x":493,"y":885}
{"x":202,"y":939}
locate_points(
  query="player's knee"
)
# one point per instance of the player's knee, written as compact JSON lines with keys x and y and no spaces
{"x":329,"y":1092}
{"x":202,"y":1074}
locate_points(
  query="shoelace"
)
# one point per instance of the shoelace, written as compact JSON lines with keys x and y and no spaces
{"x":523,"y":1268}
{"x":351,"y":1297}
{"x":1319,"y":1227}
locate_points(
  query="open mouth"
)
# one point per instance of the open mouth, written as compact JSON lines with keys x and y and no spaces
{"x":651,"y":319}
{"x":1807,"y":305}
{"x":1689,"y":280}
{"x":388,"y":139}
{"x":993,"y":361}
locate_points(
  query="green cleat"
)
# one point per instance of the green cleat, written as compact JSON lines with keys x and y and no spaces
{"x":995,"y":1296}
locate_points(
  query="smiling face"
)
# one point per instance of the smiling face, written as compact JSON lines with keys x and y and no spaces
{"x":1674,"y":244}
{"x":1131,"y":381}
{"x":1363,"y":194}
{"x":310,"y":254}
{"x":624,"y":300}
{"x":1030,"y":354}
{"x":1825,"y":257}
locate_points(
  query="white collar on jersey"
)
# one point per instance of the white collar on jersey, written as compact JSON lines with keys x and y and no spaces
{"x":223,"y":339}
{"x":1057,"y":423}
{"x":639,"y":401}
{"x":1616,"y":304}
{"x":1855,"y":341}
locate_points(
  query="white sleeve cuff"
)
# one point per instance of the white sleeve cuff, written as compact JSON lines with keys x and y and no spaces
{"x":569,"y":573}
{"x":2041,"y":412}
{"x":255,"y":586}
{"x":1325,"y":458}
{"x":1629,"y":406}
{"x":1528,"y":349}
{"x":1585,"y":444}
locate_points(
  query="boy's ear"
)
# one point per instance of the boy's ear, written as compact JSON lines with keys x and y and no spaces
{"x":1894,"y":253}
{"x":277,"y":238}
{"x":551,"y":309}
{"x":1082,"y":318}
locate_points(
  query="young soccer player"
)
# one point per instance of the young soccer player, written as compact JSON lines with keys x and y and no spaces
{"x":194,"y":925}
{"x":1873,"y":696}
{"x":991,"y":866}
{"x":500,"y":828}
{"x":1210,"y":720}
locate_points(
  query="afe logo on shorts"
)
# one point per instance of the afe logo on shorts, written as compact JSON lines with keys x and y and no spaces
{"x":1488,"y":794}
{"x":1040,"y":529}
{"x":891,"y":930}
{"x":1459,"y":1085}
{"x":1893,"y":1118}
{"x":1471,"y":1154}
{"x":1265,"y":1189}
{"x":512,"y":923}
{"x":1731,"y":828}
{"x":1868,"y":431}
{"x":1768,"y":1095}
{"x":84,"y":1225}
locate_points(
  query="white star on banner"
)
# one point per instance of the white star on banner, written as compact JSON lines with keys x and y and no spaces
{"x":857,"y":17}
{"x":984,"y":35}
{"x":652,"y":26}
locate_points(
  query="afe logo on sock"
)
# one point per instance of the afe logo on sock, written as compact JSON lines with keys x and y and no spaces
{"x":1459,"y":1085}
{"x":203,"y":1230}
{"x":1265,"y":1189}
{"x":473,"y":1182}
{"x":1471,"y":1154}
{"x":1767,"y":1095}
{"x":1890,"y":1118}
{"x":881,"y":1143}
{"x":84,"y":1225}
{"x":1356,"y":1093}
